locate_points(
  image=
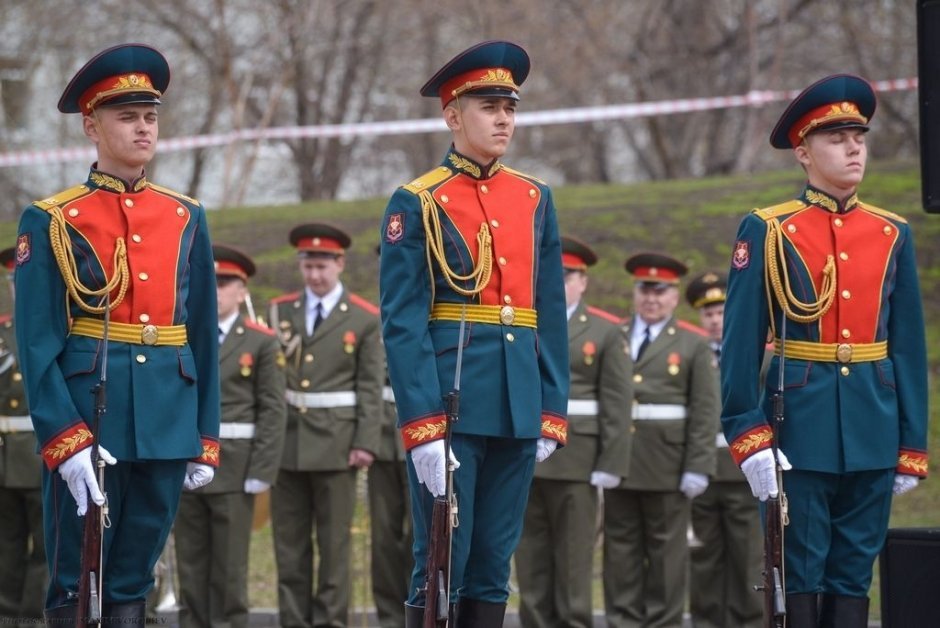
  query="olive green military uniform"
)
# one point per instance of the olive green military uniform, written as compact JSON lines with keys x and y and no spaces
{"x":334,"y":398}
{"x":675,"y":411}
{"x":23,"y":572}
{"x":554,"y":557}
{"x":213,"y":527}
{"x":390,"y":521}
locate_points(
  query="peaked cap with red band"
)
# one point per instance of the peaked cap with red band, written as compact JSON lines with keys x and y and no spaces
{"x":576,"y":255}
{"x":839,"y":101}
{"x":655,"y":268}
{"x":707,"y":289}
{"x":491,"y":68}
{"x":124,"y":74}
{"x":317,"y":237}
{"x":230,"y":262}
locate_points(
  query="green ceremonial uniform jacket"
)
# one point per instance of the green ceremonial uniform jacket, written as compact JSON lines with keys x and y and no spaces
{"x":20,"y":465}
{"x":252,"y":379}
{"x":601,"y":371}
{"x":677,"y":368}
{"x":345,"y":355}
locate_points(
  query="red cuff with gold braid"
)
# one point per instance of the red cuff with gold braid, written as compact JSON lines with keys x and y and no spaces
{"x":555,"y":427}
{"x":751,"y":442}
{"x":912,"y":462}
{"x":210,"y":452}
{"x":423,"y":430}
{"x":65,"y":444}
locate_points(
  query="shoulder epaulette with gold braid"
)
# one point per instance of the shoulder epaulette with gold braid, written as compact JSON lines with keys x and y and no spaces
{"x":769,"y":213}
{"x":523,"y":175}
{"x":884,"y":213}
{"x":60,"y":199}
{"x":169,"y":192}
{"x":429,"y":179}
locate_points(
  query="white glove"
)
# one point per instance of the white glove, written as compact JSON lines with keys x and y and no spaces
{"x":197,"y":474}
{"x":693,"y":484}
{"x":81,"y":478}
{"x":253,"y":486}
{"x":429,"y":466}
{"x":544,"y":448}
{"x":761,"y":474}
{"x":904,"y":483}
{"x":602,"y":479}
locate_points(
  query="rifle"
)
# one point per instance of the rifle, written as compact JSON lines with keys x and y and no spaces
{"x":775,"y":515}
{"x":91,"y":576}
{"x":443,"y":515}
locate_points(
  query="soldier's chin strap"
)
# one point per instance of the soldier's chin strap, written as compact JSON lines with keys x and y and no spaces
{"x":778,"y":281}
{"x":482,"y":268}
{"x":61,"y":245}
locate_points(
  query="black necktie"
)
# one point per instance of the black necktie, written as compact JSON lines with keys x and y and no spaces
{"x":318,"y":318}
{"x":221,"y":335}
{"x":644,"y":344}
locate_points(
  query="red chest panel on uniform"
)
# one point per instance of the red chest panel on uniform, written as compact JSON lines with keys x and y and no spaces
{"x":508,"y":204}
{"x":861,"y":244}
{"x":152,"y":225}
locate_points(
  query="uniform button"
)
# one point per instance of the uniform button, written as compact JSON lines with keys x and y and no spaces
{"x":128,"y":202}
{"x":180,"y":211}
{"x":846,"y":333}
{"x":510,"y":337}
{"x":843,"y":256}
{"x":17,"y":377}
{"x":637,"y":378}
{"x":633,"y":429}
{"x":14,"y":403}
{"x":494,"y":223}
{"x":141,"y":358}
{"x":136,"y":238}
{"x":532,"y":192}
{"x":846,"y":294}
{"x":308,"y":358}
{"x":887,"y":230}
{"x":302,"y":410}
{"x":484,"y":189}
{"x":791,"y":228}
{"x":73,"y":212}
{"x":844,"y":370}
{"x":144,"y":318}
{"x":444,"y":198}
{"x":837,"y":222}
{"x":507,"y":298}
{"x":143,"y":276}
{"x":502,"y":261}
{"x":305,"y":383}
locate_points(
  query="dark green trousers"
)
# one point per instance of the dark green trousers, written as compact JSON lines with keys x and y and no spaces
{"x":23,"y":572}
{"x":391,"y":537}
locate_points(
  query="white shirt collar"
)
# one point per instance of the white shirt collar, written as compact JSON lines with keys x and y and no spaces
{"x":225,"y":326}
{"x":328,"y":300}
{"x":572,"y":308}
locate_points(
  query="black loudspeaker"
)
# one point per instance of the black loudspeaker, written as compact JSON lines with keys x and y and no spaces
{"x":909,"y":566}
{"x":928,"y":89}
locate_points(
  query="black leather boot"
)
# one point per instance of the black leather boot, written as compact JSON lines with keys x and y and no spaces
{"x":128,"y":614}
{"x":479,"y":614}
{"x":803,"y":610}
{"x":61,"y":615}
{"x":843,"y":611}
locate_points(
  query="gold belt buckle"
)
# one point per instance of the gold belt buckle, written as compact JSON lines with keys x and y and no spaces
{"x":844,"y":353}
{"x":149,"y":334}
{"x":507,"y":315}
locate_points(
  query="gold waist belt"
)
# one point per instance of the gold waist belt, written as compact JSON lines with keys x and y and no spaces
{"x":492,"y":314}
{"x":174,"y":335}
{"x":834,"y":352}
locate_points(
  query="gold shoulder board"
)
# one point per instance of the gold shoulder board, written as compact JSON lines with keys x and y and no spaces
{"x":884,"y":213}
{"x":60,"y":199}
{"x":769,"y":213}
{"x":429,"y":179}
{"x":169,"y":192}
{"x":523,"y":175}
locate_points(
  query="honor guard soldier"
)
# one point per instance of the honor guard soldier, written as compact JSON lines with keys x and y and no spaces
{"x":727,"y":563}
{"x":23,"y":573}
{"x":554,"y":562}
{"x":118,"y":267}
{"x":335,"y":373}
{"x":213,"y":527}
{"x":675,"y":419}
{"x":390,"y":518}
{"x":834,"y":280}
{"x":475,"y":241}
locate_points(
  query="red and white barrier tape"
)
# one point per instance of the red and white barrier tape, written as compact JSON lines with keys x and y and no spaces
{"x":428,"y":125}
